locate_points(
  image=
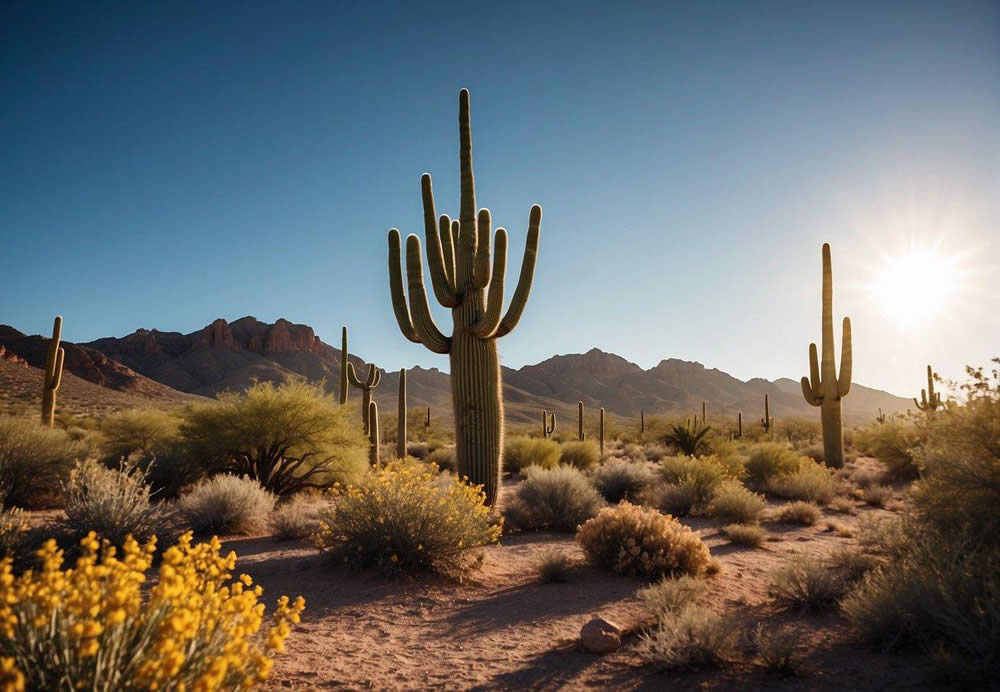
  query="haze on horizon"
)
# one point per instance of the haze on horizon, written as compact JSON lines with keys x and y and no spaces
{"x":164,"y":165}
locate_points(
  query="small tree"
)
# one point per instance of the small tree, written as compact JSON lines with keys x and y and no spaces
{"x":286,"y":437}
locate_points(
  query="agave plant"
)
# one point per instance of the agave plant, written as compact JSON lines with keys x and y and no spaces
{"x":689,"y":439}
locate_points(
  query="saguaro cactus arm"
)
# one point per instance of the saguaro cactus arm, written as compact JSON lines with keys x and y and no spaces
{"x":370,"y":382}
{"x":438,"y":259}
{"x":520,"y":297}
{"x":344,"y":387}
{"x":846,"y":360}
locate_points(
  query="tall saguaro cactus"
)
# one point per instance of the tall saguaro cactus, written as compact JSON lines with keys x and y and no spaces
{"x":366,"y":386}
{"x":373,"y":436}
{"x":704,"y":414}
{"x":343,"y":365}
{"x":579,"y":421}
{"x":823,"y":387}
{"x":929,"y":401}
{"x":600,"y":432}
{"x":766,"y":421}
{"x":401,"y":416}
{"x":53,"y":374}
{"x":642,"y":422}
{"x":458,"y":257}
{"x":739,"y":425}
{"x":548,"y":427}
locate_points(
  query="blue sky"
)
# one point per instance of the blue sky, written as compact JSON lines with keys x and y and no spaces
{"x":164,"y":164}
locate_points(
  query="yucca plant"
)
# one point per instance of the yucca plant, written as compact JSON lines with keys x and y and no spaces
{"x":690,"y":439}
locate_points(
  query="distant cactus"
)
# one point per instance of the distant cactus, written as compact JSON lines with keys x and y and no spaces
{"x":704,"y":414}
{"x":458,"y":255}
{"x":53,"y":374}
{"x":343,"y":366}
{"x":579,"y":421}
{"x":823,"y":387}
{"x":642,"y":422}
{"x":929,"y":401}
{"x":548,"y":428}
{"x":401,"y":416}
{"x":427,"y":420}
{"x":366,"y":386}
{"x":766,"y":422}
{"x":601,"y":432}
{"x":739,"y":425}
{"x":373,"y":436}
{"x":880,"y":417}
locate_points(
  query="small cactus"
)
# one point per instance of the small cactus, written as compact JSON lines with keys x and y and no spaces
{"x":929,"y":401}
{"x":401,"y":416}
{"x":601,"y":432}
{"x":642,"y":422}
{"x":579,"y":421}
{"x":373,"y":436}
{"x":766,"y":422}
{"x":739,"y":425}
{"x":343,"y":366}
{"x":427,"y":420}
{"x":53,"y":374}
{"x":824,"y":387}
{"x":704,"y":414}
{"x":547,"y":427}
{"x":366,"y":386}
{"x":880,"y":417}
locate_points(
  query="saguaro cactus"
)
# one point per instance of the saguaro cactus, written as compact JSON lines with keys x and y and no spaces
{"x":579,"y":421}
{"x":53,"y":374}
{"x":823,"y":387}
{"x":880,"y":417}
{"x":458,"y":257}
{"x":547,"y":427}
{"x":401,"y":416}
{"x":427,"y":420}
{"x":343,"y":365}
{"x":600,"y":432}
{"x":704,"y":414}
{"x":739,"y":425}
{"x":642,"y":422}
{"x":366,"y":386}
{"x":766,"y":421}
{"x":373,"y":436}
{"x":929,"y":401}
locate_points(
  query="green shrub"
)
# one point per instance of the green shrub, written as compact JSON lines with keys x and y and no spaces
{"x":622,"y":480}
{"x":805,"y":513}
{"x":554,"y":567}
{"x":693,"y":638}
{"x":114,"y":503}
{"x":767,"y":460}
{"x":893,"y":445}
{"x":676,"y":500}
{"x":670,"y":596}
{"x":747,"y":535}
{"x":636,"y":541}
{"x":34,"y":460}
{"x":559,"y":499}
{"x":287,"y":437}
{"x":226,"y":504}
{"x":143,"y":432}
{"x":445,"y":459}
{"x":703,"y":475}
{"x":523,"y":451}
{"x":808,"y":584}
{"x":580,"y":454}
{"x":734,"y":503}
{"x":811,"y":482}
{"x":403,"y":518}
{"x":297,"y":518}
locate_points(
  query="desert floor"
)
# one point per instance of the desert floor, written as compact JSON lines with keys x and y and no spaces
{"x":501,"y":629}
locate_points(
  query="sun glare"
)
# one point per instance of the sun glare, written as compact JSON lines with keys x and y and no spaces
{"x":915,"y":286}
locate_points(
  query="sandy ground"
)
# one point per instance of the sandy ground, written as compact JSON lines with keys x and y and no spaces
{"x":503,"y":630}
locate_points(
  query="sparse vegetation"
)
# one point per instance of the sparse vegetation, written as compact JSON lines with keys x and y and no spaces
{"x":811,"y":482}
{"x":767,"y":460}
{"x":699,"y":476}
{"x":808,"y":584}
{"x":559,"y":499}
{"x":297,"y":518}
{"x":554,"y":567}
{"x":893,"y":445}
{"x":693,"y":638}
{"x":778,"y":650}
{"x":523,"y":451}
{"x":669,"y":596}
{"x":225,"y":505}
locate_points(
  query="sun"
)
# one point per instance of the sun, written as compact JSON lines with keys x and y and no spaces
{"x":916,"y":285}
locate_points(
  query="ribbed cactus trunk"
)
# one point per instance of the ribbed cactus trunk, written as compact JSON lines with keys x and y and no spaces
{"x":344,"y":388}
{"x":373,"y":434}
{"x":929,"y":401}
{"x":401,"y":416}
{"x":53,"y":374}
{"x":766,"y":420}
{"x":823,"y":387}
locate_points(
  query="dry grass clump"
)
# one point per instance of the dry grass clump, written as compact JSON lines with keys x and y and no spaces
{"x":808,"y":584}
{"x":841,"y":530}
{"x":114,"y":503}
{"x":778,"y":650}
{"x":418,"y":450}
{"x":734,"y":503}
{"x":226,"y":504}
{"x":844,"y":505}
{"x":297,"y":518}
{"x":554,"y":567}
{"x":521,"y":452}
{"x":746,"y":535}
{"x":892,"y":444}
{"x":689,"y":483}
{"x":620,"y":480}
{"x":637,"y":541}
{"x":581,"y":454}
{"x":671,"y":595}
{"x":804,"y":513}
{"x":811,"y":482}
{"x":14,"y":532}
{"x":693,"y":638}
{"x":876,"y":495}
{"x":560,"y":499}
{"x":34,"y":460}
{"x":767,"y":460}
{"x":403,"y":517}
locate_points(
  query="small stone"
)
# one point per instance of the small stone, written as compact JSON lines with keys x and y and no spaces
{"x":600,"y":636}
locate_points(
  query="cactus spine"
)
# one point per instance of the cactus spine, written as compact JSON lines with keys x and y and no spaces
{"x":53,"y":374}
{"x":458,"y":256}
{"x":548,"y":428}
{"x":373,"y":437}
{"x":579,"y":421}
{"x":366,"y":386}
{"x":929,"y":401}
{"x":823,"y":387}
{"x":401,"y":416}
{"x":766,"y":421}
{"x":739,"y":425}
{"x":601,"y":432}
{"x":343,"y":366}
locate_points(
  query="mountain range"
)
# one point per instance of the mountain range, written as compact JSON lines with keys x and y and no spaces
{"x":230,"y":355}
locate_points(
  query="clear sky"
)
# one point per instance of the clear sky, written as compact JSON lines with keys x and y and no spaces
{"x":164,"y":164}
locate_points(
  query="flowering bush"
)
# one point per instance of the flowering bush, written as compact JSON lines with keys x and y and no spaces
{"x":405,"y":517}
{"x":636,"y":541}
{"x":89,"y":627}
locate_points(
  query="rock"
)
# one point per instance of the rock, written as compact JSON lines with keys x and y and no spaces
{"x":600,"y":636}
